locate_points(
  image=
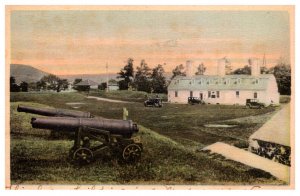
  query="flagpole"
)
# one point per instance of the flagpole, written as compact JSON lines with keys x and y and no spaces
{"x":106,"y":77}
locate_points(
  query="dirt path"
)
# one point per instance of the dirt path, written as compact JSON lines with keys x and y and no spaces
{"x":278,"y":170}
{"x":106,"y":99}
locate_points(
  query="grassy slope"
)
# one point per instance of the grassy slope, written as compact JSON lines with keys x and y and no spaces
{"x":36,"y":158}
{"x":183,"y":123}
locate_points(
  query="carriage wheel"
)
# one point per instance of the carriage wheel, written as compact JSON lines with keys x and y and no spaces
{"x":83,"y":155}
{"x":132,"y":152}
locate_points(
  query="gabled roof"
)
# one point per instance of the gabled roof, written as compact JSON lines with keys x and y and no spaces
{"x":87,"y":83}
{"x":227,"y":82}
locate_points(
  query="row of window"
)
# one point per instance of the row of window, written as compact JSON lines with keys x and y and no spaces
{"x":216,"y":94}
{"x":219,"y":81}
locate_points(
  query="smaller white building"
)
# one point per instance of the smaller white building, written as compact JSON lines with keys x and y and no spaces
{"x":113,"y":86}
{"x":88,"y":83}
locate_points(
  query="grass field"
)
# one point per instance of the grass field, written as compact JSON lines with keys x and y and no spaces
{"x":171,"y":138}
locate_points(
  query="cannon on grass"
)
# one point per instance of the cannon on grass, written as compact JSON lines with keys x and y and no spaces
{"x":54,"y":112}
{"x":94,"y":136}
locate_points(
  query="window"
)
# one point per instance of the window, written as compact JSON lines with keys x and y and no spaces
{"x":255,"y":95}
{"x":213,"y":94}
{"x":209,"y":94}
{"x":237,"y":94}
{"x":191,"y":93}
{"x":218,"y":94}
{"x":176,"y":93}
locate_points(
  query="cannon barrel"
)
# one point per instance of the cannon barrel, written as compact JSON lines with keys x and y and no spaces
{"x":121,"y":127}
{"x":54,"y":112}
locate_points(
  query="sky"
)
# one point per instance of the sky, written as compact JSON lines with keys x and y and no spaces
{"x":66,"y":42}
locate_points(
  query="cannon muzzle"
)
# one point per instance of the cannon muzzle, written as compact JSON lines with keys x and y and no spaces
{"x":120,"y":127}
{"x":54,"y":112}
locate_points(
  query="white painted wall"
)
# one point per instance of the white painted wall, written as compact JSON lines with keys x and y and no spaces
{"x":94,"y":87}
{"x":113,"y":87}
{"x":181,"y":98}
{"x":227,"y":97}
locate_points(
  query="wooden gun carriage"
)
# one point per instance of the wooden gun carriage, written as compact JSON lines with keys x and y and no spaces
{"x":93,"y":136}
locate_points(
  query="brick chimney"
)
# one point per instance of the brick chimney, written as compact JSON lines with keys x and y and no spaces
{"x":255,"y":67}
{"x":221,"y":67}
{"x":189,"y":70}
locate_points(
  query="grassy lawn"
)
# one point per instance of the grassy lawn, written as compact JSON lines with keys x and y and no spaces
{"x":181,"y":122}
{"x":132,"y":96}
{"x":171,"y":136}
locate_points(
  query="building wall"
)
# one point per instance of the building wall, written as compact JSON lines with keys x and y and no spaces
{"x":225,"y":96}
{"x":94,"y":87}
{"x":272,"y":92}
{"x":113,"y":87}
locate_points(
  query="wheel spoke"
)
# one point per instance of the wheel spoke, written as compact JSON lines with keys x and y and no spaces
{"x":131,"y":152}
{"x":83,"y":155}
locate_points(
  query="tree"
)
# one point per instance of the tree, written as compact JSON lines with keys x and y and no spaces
{"x":12,"y":80}
{"x":158,"y":80}
{"x":178,"y":71}
{"x":76,"y":81}
{"x":41,"y":85}
{"x":102,"y":86}
{"x":62,"y":84}
{"x":24,"y":86}
{"x":13,"y":86}
{"x":142,"y":77}
{"x":126,"y":74}
{"x":246,"y":70}
{"x":200,"y":69}
{"x":32,"y":86}
{"x":52,"y":82}
{"x":282,"y":73}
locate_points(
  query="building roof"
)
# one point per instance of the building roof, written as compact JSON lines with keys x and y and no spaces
{"x":87,"y":83}
{"x":277,"y":129}
{"x":226,"y":82}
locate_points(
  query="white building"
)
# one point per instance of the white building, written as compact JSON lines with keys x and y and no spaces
{"x":89,"y":83}
{"x":225,"y":89}
{"x":113,"y":87}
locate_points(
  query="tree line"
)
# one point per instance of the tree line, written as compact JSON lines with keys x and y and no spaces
{"x":150,"y":80}
{"x":48,"y":82}
{"x":144,"y":79}
{"x":281,"y":71}
{"x":153,"y":80}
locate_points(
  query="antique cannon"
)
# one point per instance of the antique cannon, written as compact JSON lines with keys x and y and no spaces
{"x":54,"y":112}
{"x":120,"y":127}
{"x":92,"y":135}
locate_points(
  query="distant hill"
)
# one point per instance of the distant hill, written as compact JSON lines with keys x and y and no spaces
{"x":30,"y":74}
{"x":26,"y":73}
